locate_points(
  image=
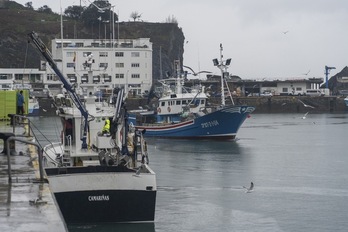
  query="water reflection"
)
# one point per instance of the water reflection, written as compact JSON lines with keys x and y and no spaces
{"x":124,"y":227}
{"x":195,"y":146}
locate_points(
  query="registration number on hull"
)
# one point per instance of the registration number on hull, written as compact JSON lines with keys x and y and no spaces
{"x":210,"y":124}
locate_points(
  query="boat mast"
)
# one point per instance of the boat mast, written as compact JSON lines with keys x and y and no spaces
{"x":223,"y":67}
{"x":178,"y":77}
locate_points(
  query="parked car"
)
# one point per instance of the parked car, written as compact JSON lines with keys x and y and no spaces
{"x":297,"y":93}
{"x":266,"y":94}
{"x":314,"y":92}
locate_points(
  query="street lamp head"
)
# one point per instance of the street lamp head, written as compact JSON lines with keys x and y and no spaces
{"x":216,"y":62}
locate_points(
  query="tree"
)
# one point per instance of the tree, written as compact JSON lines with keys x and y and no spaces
{"x":74,"y":12}
{"x":29,"y":5}
{"x":135,"y":15}
{"x":45,"y":9}
{"x":95,"y":10}
{"x":171,"y":19}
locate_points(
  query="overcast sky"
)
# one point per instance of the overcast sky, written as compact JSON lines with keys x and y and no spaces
{"x":273,"y":39}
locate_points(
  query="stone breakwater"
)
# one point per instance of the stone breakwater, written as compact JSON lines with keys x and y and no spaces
{"x":274,"y":104}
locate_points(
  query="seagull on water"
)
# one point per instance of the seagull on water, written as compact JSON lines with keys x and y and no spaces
{"x":305,"y":115}
{"x":305,"y":105}
{"x":194,"y":73}
{"x":250,"y":189}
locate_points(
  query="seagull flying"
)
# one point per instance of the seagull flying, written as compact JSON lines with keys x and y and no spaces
{"x":194,"y":73}
{"x":285,"y":32}
{"x":305,"y":105}
{"x":250,"y":189}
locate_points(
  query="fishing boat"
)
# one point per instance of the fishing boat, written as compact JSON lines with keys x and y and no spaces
{"x":186,"y":114}
{"x":98,"y":172}
{"x":346,"y":101}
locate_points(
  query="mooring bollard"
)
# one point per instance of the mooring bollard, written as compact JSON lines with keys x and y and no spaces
{"x":12,"y":144}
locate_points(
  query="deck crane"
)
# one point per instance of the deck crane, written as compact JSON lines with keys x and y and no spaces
{"x":48,"y":56}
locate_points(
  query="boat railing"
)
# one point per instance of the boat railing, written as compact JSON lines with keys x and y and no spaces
{"x":48,"y":157}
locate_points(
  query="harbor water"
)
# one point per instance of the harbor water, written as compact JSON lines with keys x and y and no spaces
{"x":298,"y":165}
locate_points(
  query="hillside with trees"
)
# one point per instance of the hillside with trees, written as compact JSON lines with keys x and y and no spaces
{"x":16,"y":21}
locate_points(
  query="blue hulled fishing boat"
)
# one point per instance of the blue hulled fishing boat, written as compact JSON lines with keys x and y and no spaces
{"x":183,"y":113}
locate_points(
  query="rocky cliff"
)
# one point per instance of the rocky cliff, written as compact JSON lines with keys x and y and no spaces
{"x":17,"y":21}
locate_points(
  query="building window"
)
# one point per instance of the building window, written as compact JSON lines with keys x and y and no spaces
{"x":96,"y":79}
{"x":4,"y":76}
{"x":103,"y":65}
{"x":72,"y":78}
{"x":107,"y":78}
{"x":84,"y":79}
{"x":49,"y":77}
{"x":119,"y":75}
{"x":119,"y":65}
{"x":70,"y":65}
{"x":135,"y":65}
{"x":285,"y":90}
{"x":135,"y":76}
{"x":85,"y":54}
{"x":80,"y":45}
{"x":135,"y":54}
{"x":119,"y":54}
{"x":103,"y":54}
{"x":18,"y":76}
{"x":70,"y":54}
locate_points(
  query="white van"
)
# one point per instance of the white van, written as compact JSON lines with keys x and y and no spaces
{"x":314,"y":92}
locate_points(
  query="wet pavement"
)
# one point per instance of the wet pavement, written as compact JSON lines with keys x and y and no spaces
{"x":26,"y":204}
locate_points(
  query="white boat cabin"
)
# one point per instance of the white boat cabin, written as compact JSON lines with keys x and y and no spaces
{"x":182,"y":102}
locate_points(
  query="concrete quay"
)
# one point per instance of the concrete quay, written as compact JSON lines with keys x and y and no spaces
{"x":26,"y":204}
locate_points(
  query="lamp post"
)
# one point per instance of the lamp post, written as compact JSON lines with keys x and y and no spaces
{"x":223,"y":66}
{"x":327,"y":72}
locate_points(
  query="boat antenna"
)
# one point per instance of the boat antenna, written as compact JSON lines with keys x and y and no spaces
{"x":223,"y":66}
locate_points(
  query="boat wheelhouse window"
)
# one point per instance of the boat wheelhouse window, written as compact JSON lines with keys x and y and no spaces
{"x":58,"y":101}
{"x":62,"y":99}
{"x":178,"y":102}
{"x":173,"y":96}
{"x":184,"y":102}
{"x":202,"y":101}
{"x":196,"y":102}
{"x":68,"y":102}
{"x":163,"y":103}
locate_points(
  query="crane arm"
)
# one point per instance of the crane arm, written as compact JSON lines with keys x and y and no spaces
{"x":48,"y":56}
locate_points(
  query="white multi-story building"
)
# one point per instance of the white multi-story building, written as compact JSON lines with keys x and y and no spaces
{"x":14,"y":78}
{"x":96,"y":63}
